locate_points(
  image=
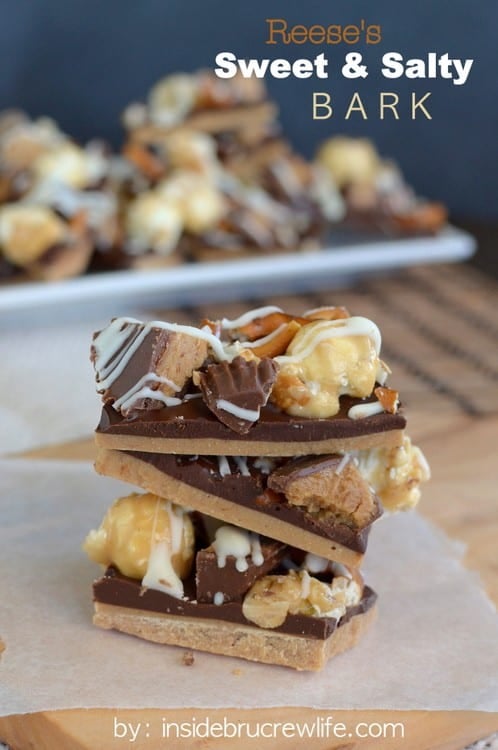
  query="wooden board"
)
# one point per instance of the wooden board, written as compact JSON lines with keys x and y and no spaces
{"x":93,"y":730}
{"x":448,"y":375}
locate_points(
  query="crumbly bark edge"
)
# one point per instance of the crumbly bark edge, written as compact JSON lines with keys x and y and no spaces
{"x":230,"y":639}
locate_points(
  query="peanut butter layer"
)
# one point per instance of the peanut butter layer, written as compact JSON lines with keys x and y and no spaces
{"x":240,"y":500}
{"x":190,"y":428}
{"x":231,"y":639}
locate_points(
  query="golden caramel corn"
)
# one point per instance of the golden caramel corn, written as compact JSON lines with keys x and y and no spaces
{"x":133,"y":526}
{"x":395,"y":473}
{"x":27,"y":232}
{"x":316,"y":370}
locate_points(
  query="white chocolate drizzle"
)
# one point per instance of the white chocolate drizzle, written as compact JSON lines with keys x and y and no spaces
{"x":115,"y":345}
{"x":106,"y":346}
{"x":160,"y":574}
{"x":231,"y":541}
{"x":342,"y":464}
{"x":338,"y":569}
{"x":248,"y":317}
{"x":325,"y":330}
{"x":264,"y":464}
{"x":383,"y":372}
{"x":248,"y":415}
{"x":315,"y":564}
{"x":223,"y":466}
{"x":424,"y":464}
{"x":360,"y":411}
{"x":305,"y":584}
{"x":142,"y":389}
{"x":265,"y":339}
{"x":256,"y":551}
{"x":319,"y":309}
{"x":235,"y":348}
{"x":241,"y":462}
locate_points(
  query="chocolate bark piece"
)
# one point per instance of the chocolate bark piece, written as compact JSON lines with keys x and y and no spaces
{"x":134,"y":361}
{"x":190,"y":428}
{"x":237,"y":497}
{"x":297,"y":651}
{"x":228,"y":581}
{"x":329,"y":486}
{"x":62,"y":261}
{"x":118,"y":590}
{"x":235,"y":391}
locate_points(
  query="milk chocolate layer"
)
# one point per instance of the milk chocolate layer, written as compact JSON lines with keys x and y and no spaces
{"x":118,"y":590}
{"x":142,"y":362}
{"x":192,"y":420}
{"x":250,"y":491}
{"x":234,"y":583}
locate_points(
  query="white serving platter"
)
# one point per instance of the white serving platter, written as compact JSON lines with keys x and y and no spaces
{"x":336,"y":265}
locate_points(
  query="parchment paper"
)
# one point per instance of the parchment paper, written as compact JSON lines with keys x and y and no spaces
{"x":47,"y":391}
{"x":434,"y":646}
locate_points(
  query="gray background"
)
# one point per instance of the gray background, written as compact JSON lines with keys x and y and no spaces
{"x":81,"y":61}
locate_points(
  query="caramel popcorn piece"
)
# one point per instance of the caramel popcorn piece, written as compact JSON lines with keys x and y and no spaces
{"x":331,"y":485}
{"x":133,"y":527}
{"x":71,"y":165}
{"x":290,"y":392}
{"x":196,"y":199}
{"x":153,"y":223}
{"x":172,"y":98}
{"x":395,"y":474}
{"x":273,"y":597}
{"x":22,"y":140}
{"x":325,"y":360}
{"x":349,"y":160}
{"x":27,"y":232}
{"x":235,"y":391}
{"x":144,"y":366}
{"x":192,"y":151}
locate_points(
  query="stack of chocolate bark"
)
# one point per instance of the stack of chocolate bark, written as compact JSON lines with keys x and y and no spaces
{"x":267,"y":447}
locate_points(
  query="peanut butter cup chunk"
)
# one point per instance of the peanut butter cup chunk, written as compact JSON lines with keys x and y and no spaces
{"x":329,"y":486}
{"x":235,"y":391}
{"x":144,"y":366}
